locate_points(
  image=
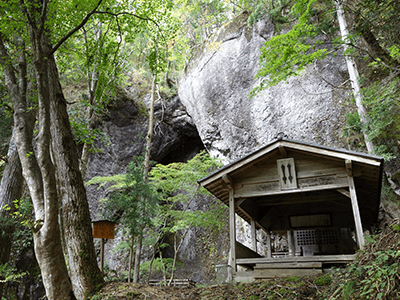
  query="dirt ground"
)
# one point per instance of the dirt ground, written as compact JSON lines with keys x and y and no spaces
{"x":290,"y":288}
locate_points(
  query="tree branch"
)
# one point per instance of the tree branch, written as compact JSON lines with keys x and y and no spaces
{"x":69,"y":34}
{"x":43,"y":15}
{"x":133,"y":15}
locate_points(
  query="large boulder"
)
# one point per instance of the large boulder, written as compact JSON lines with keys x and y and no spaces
{"x":217,"y":81}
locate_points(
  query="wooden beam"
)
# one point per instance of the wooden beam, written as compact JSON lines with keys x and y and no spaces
{"x":232,"y":230}
{"x":291,"y":265}
{"x":253,"y":235}
{"x":349,"y":167}
{"x":273,"y":273}
{"x":242,"y":212}
{"x":240,"y":201}
{"x":356,"y":213}
{"x":245,"y":252}
{"x":332,"y":153}
{"x":258,"y":191}
{"x":228,"y":180}
{"x":282,"y":150}
{"x":292,"y":201}
{"x":344,"y":192}
{"x":341,"y":258}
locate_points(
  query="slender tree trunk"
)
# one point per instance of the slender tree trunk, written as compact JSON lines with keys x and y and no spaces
{"x":353,"y":73}
{"x":10,"y":189}
{"x":139,"y":242}
{"x":146,"y":167}
{"x":164,"y":267}
{"x":91,"y":116}
{"x":131,"y":256}
{"x":176,"y":250}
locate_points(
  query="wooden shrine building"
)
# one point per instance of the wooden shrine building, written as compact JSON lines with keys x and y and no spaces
{"x":321,"y":198}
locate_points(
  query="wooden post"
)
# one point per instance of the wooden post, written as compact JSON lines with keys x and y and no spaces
{"x":269,"y":245}
{"x":232,"y":230}
{"x":356,"y":213}
{"x":290,"y":242}
{"x":102,"y":255}
{"x":254,"y":235}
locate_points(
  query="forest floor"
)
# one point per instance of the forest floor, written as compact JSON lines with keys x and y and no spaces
{"x":373,"y":275}
{"x":298,"y":288}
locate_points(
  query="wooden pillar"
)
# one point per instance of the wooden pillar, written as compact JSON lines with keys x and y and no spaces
{"x":253,"y":235}
{"x":290,"y":242}
{"x":269,"y":245}
{"x":356,"y":213}
{"x":232,"y":230}
{"x":354,"y":204}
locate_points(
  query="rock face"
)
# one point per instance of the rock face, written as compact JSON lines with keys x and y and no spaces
{"x":175,"y":139}
{"x":216,"y":84}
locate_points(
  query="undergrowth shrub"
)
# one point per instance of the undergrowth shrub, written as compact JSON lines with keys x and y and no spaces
{"x":375,"y":272}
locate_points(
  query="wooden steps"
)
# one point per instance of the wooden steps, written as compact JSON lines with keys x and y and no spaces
{"x":288,"y":266}
{"x":175,"y":282}
{"x":288,"y":269}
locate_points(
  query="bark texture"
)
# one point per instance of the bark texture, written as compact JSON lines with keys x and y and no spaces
{"x":84,"y":271}
{"x":10,"y":189}
{"x":37,"y":167}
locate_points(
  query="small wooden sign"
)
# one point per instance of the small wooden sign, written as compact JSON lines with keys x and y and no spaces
{"x":287,"y":173}
{"x":103,"y":229}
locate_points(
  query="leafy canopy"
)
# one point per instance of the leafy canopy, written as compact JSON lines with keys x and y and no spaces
{"x":287,"y":54}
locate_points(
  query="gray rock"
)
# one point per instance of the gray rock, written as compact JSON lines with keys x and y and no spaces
{"x":175,"y":138}
{"x":216,"y":85}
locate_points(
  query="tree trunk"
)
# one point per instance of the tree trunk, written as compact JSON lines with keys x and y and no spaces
{"x":137,"y":257}
{"x":37,"y":168}
{"x":131,"y":256}
{"x":146,"y":167}
{"x":353,"y":73}
{"x":10,"y":189}
{"x":84,"y":270}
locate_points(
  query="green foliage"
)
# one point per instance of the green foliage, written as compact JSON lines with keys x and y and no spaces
{"x":323,"y":280}
{"x":381,"y":101}
{"x":10,"y":274}
{"x":159,"y":265}
{"x":136,"y":199}
{"x":374,"y":274}
{"x":287,"y":54}
{"x":21,"y":212}
{"x":256,"y":15}
{"x":383,"y":20}
{"x":383,"y":107}
{"x":178,"y":182}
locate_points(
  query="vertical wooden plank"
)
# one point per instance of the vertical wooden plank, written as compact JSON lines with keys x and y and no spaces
{"x":356,"y":213}
{"x":232,"y":230}
{"x":269,"y":245}
{"x":290,"y":242}
{"x":253,"y":236}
